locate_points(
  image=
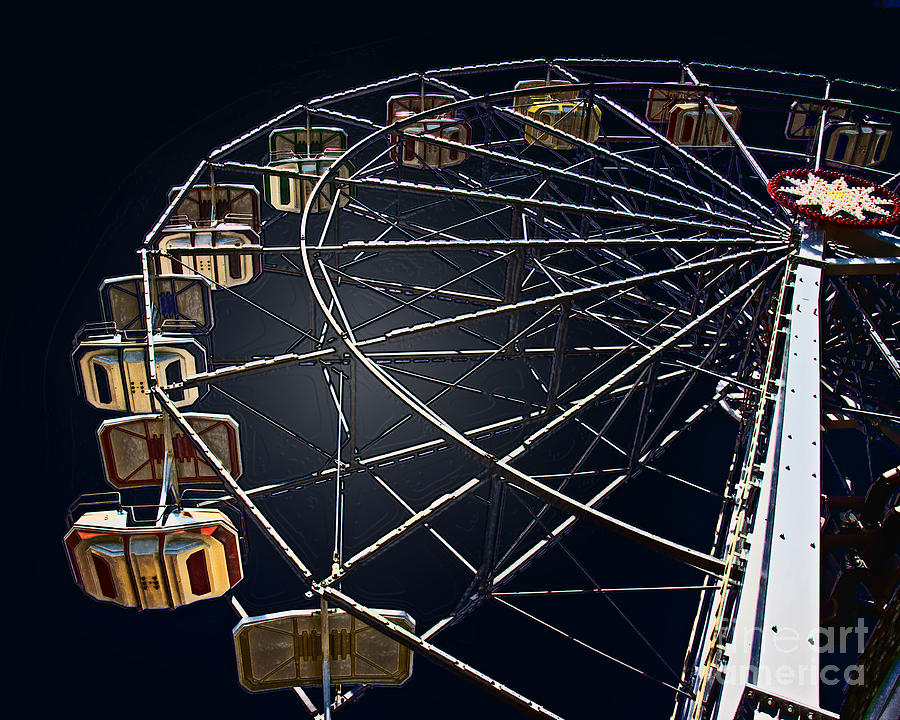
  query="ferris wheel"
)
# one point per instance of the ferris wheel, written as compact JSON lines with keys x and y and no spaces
{"x":552,"y":371}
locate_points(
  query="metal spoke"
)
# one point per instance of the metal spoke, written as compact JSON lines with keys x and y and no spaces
{"x":591,"y":648}
{"x":557,"y":298}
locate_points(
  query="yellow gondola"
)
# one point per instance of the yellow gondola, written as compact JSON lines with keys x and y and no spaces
{"x":112,"y":370}
{"x":556,"y":103}
{"x":284,"y":650}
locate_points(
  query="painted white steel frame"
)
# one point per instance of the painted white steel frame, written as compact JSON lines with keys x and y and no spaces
{"x":774,"y":643}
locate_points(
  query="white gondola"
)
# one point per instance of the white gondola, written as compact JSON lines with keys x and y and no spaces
{"x":864,"y":144}
{"x":180,"y":304}
{"x":283,"y":650}
{"x":133,"y":449}
{"x":189,"y":555}
{"x":226,"y":218}
{"x":556,"y":103}
{"x":309,"y":152}
{"x":696,"y":124}
{"x":418,"y":153}
{"x":111,"y":369}
{"x":847,"y":139}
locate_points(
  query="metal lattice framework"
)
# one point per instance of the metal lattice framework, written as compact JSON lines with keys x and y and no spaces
{"x":551,"y":378}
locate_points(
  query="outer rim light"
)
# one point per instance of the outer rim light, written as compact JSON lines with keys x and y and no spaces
{"x":786,"y":200}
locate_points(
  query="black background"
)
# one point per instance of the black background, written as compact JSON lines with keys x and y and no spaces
{"x":114,"y":106}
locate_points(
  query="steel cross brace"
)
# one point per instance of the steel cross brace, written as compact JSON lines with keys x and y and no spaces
{"x":557,"y":298}
{"x":554,"y":171}
{"x":685,"y":155}
{"x":528,"y":484}
{"x":519,"y":479}
{"x":736,"y":139}
{"x":591,"y":210}
{"x":404,"y":453}
{"x":443,"y":240}
{"x":620,"y":160}
{"x":668,"y":144}
{"x":336,"y":597}
{"x":542,"y":545}
{"x":530,"y":242}
{"x":873,"y":333}
{"x":253,"y":366}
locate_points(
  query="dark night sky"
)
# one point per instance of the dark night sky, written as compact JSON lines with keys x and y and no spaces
{"x":117,"y":109}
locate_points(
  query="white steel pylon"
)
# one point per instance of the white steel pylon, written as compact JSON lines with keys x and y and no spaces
{"x":772,"y":651}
